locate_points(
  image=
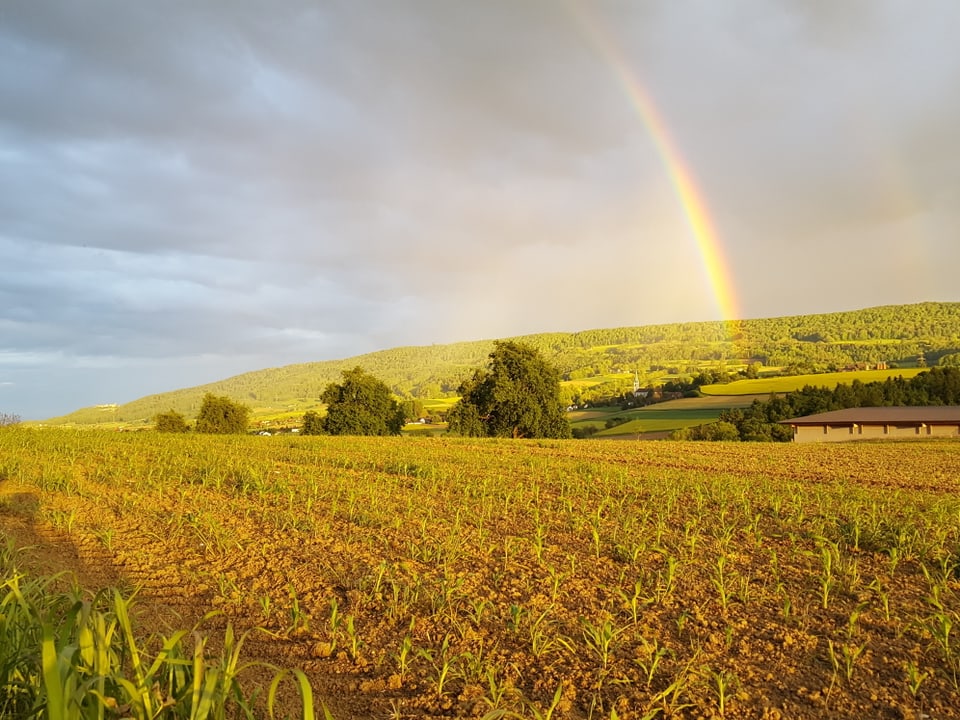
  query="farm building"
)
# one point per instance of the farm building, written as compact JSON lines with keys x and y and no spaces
{"x":868,"y":423}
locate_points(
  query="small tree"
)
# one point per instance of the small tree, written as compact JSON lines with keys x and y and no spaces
{"x":517,"y":396}
{"x":312,"y":423}
{"x":171,"y":422}
{"x":220,"y":415}
{"x":361,"y":405}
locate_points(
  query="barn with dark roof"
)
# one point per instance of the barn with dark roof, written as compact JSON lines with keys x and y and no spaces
{"x":877,"y":423}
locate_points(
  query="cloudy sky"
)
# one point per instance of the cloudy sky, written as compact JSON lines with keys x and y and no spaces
{"x":189,"y":190}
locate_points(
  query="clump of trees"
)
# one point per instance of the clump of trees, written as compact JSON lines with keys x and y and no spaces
{"x":517,"y":395}
{"x":721,"y":430}
{"x":220,"y":415}
{"x":171,"y":422}
{"x":950,"y":360}
{"x":360,"y":405}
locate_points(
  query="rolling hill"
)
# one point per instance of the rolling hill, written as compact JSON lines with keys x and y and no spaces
{"x":900,"y":334}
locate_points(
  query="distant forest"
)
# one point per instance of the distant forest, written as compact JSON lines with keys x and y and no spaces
{"x":905,"y":335}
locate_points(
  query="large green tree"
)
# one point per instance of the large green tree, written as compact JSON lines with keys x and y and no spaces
{"x":517,"y":395}
{"x":361,"y":405}
{"x":222,"y":416}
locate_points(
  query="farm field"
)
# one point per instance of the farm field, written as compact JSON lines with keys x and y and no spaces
{"x":442,"y":577}
{"x":765,"y":386}
{"x":660,"y":417}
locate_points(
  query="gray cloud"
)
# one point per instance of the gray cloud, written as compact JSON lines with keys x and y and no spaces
{"x":192,"y":190}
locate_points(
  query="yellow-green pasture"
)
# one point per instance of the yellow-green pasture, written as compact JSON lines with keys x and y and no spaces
{"x":440,"y":404}
{"x":765,"y":385}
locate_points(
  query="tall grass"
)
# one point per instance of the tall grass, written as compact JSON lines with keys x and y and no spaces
{"x":69,"y":655}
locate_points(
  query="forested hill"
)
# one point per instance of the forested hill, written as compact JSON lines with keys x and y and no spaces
{"x":893,"y":334}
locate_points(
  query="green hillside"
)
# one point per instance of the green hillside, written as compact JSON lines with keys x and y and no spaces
{"x":598,"y":359}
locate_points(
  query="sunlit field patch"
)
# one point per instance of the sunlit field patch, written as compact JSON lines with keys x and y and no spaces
{"x":765,"y":386}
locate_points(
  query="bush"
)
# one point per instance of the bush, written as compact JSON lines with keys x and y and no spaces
{"x":171,"y":422}
{"x":614,"y":421}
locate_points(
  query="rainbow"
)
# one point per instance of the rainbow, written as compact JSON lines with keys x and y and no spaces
{"x":715,"y":265}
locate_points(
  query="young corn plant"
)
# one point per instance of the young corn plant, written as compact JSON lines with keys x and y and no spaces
{"x":829,"y":556}
{"x":299,"y":620}
{"x":515,"y":621}
{"x":666,"y":579}
{"x":472,"y":666}
{"x":402,"y":657}
{"x":851,"y":654}
{"x":940,"y":625}
{"x":634,"y":600}
{"x":500,"y":692}
{"x":477,"y":608}
{"x":652,"y":655}
{"x":883,"y":595}
{"x":915,"y":677}
{"x":443,"y":662}
{"x":539,"y":538}
{"x":721,"y":582}
{"x":722,"y":683}
{"x":671,"y":700}
{"x":545,"y":638}
{"x":266,"y":606}
{"x":353,"y":641}
{"x":601,"y":638}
